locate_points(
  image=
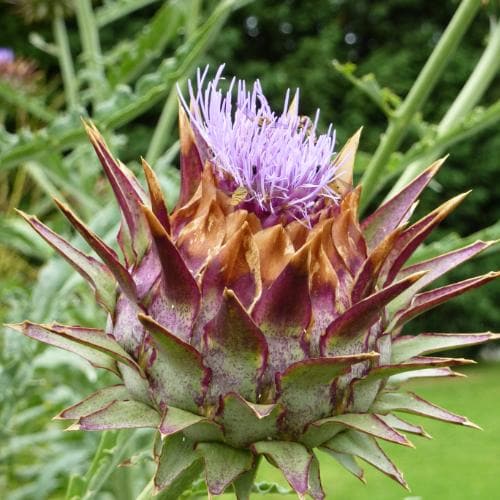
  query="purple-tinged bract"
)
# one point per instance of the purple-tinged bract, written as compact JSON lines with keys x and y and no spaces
{"x":260,"y":317}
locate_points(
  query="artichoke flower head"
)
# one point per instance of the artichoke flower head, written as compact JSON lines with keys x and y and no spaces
{"x":260,"y":317}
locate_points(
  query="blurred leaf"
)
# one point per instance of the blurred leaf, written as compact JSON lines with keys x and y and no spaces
{"x":113,"y":10}
{"x":130,"y":58}
{"x":20,"y":99}
{"x":16,"y":234}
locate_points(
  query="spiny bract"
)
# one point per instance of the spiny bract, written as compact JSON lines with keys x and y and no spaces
{"x":240,"y":329}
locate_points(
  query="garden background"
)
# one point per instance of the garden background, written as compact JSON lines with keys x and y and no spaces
{"x":355,"y":60}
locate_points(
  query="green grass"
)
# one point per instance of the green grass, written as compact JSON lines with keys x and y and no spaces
{"x":459,"y":463}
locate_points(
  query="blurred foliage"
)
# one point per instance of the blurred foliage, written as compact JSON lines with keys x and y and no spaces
{"x":117,"y":64}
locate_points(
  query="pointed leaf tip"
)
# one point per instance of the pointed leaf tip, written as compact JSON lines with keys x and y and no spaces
{"x":364,"y":313}
{"x":293,"y":459}
{"x":366,"y":447}
{"x":129,"y":414}
{"x":409,"y":402}
{"x":191,"y":162}
{"x":99,"y":349}
{"x":223,"y":464}
{"x":128,"y":194}
{"x":413,"y":236}
{"x":158,"y":203}
{"x":175,"y":420}
{"x":344,"y":162}
{"x":94,"y":402}
{"x":391,"y":213}
{"x":106,"y":253}
{"x":96,"y":274}
{"x":18,"y":327}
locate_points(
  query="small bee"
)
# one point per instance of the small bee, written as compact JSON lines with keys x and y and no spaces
{"x":238,"y":195}
{"x":305,"y":123}
{"x":261,"y":120}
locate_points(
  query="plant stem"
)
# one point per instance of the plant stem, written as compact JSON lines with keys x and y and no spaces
{"x":89,"y":36}
{"x":477,"y":84}
{"x":471,"y":93}
{"x":147,"y":492}
{"x":100,"y":468}
{"x":418,"y":94}
{"x":108,"y":441}
{"x":162,"y":130}
{"x":65,"y":60}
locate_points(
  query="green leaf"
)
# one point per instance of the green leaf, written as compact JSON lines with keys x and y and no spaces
{"x":20,"y":99}
{"x":223,"y":464}
{"x":305,"y":387}
{"x":179,"y":465}
{"x":95,"y":401}
{"x":175,"y":420}
{"x":15,"y":234}
{"x":114,"y":10}
{"x":408,"y":402}
{"x":244,"y":483}
{"x":119,"y":415}
{"x":178,"y":370}
{"x":404,"y":348}
{"x":403,"y":425}
{"x":98,"y":276}
{"x":384,"y":98}
{"x":111,"y":450}
{"x":245,"y":422}
{"x":92,"y":345}
{"x":234,"y":349}
{"x":348,"y":462}
{"x":134,"y":56}
{"x":291,"y":458}
{"x":366,"y":448}
{"x":124,"y":105}
{"x":56,"y":281}
{"x":315,"y":487}
{"x":325,"y":429}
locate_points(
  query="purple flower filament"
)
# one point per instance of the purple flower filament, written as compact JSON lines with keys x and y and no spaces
{"x":283,"y":166}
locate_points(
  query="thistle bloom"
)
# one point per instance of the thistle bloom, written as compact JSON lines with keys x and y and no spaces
{"x":266,"y":323}
{"x":277,"y":164}
{"x":17,"y":71}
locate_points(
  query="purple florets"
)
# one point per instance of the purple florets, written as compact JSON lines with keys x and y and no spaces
{"x":277,"y":164}
{"x":6,"y":55}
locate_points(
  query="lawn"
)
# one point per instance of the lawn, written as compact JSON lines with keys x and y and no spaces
{"x":459,"y":463}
